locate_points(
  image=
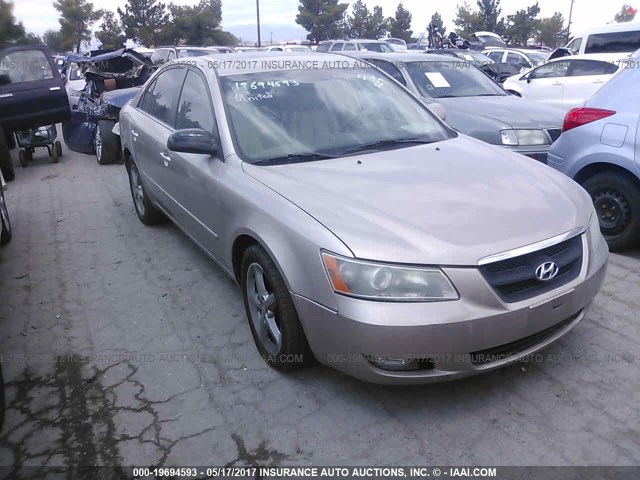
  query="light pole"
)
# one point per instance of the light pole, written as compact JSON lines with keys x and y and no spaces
{"x":258,"y":17}
{"x":570,"y":16}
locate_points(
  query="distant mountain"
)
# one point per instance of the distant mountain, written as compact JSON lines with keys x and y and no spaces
{"x":281,"y":33}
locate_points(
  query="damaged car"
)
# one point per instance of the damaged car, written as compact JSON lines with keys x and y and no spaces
{"x":111,"y":80}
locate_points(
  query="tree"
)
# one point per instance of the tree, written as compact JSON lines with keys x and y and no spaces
{"x":522,"y":26}
{"x":196,"y":25}
{"x":10,"y":30}
{"x":323,"y":19}
{"x":436,"y":21}
{"x":51,"y":39}
{"x":400,"y":24}
{"x":143,"y":20}
{"x":358,"y":20}
{"x":376,"y":25}
{"x":626,"y":14}
{"x":489,"y":14}
{"x":551,"y":31}
{"x":76,"y":18}
{"x":110,"y":33}
{"x":467,"y":21}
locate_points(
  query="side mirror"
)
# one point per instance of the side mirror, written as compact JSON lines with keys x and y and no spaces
{"x":5,"y":79}
{"x":192,"y":140}
{"x":438,"y":110}
{"x":529,"y":78}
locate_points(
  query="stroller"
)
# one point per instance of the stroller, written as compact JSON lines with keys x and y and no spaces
{"x":39,"y":137}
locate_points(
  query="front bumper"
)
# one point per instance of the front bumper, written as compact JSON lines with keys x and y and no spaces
{"x":460,"y":338}
{"x":537,"y":153}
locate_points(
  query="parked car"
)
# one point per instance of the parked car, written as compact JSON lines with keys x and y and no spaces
{"x":563,"y":82}
{"x":498,"y":72}
{"x":289,"y":48}
{"x":475,"y":105}
{"x":5,"y":223}
{"x":599,"y":149}
{"x":488,"y":40}
{"x":397,"y":44}
{"x":74,"y":84}
{"x":353,"y":46}
{"x":617,"y":39}
{"x":360,"y":228}
{"x":111,"y":79}
{"x":32,"y":94}
{"x":521,"y":58}
{"x":162,"y":55}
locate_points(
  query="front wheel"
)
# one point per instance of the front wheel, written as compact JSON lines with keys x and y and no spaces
{"x":273,"y":319}
{"x":6,"y":165}
{"x":147,"y":213}
{"x":6,"y":233}
{"x":616,"y":199}
{"x":107,"y":143}
{"x":58,"y":147}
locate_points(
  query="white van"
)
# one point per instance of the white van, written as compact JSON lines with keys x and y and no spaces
{"x":618,"y":38}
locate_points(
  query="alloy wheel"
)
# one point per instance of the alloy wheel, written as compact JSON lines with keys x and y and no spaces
{"x":136,"y":189}
{"x":262,"y":309}
{"x":98,"y":143}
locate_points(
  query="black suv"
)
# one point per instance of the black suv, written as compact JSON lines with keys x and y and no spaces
{"x":32,"y":94}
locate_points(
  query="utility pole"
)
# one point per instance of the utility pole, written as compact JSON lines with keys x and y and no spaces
{"x":258,"y":17}
{"x":570,"y":16}
{"x":271,"y":38}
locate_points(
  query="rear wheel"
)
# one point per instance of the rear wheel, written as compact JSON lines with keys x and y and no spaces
{"x":5,"y":234}
{"x":22,"y":156}
{"x":107,"y":143}
{"x":616,"y":199}
{"x":6,"y":165}
{"x":273,"y":319}
{"x":147,"y":213}
{"x":58,"y":147}
{"x":54,"y":154}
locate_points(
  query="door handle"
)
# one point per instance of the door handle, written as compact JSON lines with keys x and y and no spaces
{"x":165,"y":158}
{"x":598,"y":81}
{"x":557,"y":84}
{"x":135,"y":135}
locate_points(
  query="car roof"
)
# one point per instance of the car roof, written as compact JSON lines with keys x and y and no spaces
{"x":614,"y":27}
{"x":402,"y":56}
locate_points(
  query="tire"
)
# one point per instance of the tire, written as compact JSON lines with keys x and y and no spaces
{"x":147,"y":213}
{"x":54,"y":154}
{"x":6,"y":165}
{"x":22,"y":156}
{"x":616,"y":198}
{"x":6,"y":233}
{"x":273,"y":319}
{"x":58,"y":147}
{"x":107,"y":143}
{"x":2,"y":404}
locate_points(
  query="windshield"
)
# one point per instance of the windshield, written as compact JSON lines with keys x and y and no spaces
{"x":375,"y":47}
{"x":489,"y":41}
{"x":193,"y":53}
{"x":446,"y":78}
{"x":74,"y":73}
{"x":538,"y":58}
{"x":326,"y":112}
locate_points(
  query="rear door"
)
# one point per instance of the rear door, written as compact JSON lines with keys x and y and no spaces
{"x":32,"y":92}
{"x":545,"y":84}
{"x":584,"y":78}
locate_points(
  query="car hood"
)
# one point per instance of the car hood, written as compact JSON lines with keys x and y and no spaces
{"x":508,"y":111}
{"x":449,"y":203}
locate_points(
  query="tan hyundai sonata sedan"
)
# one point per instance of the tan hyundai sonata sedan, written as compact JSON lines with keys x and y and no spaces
{"x":362,"y":230}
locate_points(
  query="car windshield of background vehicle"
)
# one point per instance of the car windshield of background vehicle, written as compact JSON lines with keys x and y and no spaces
{"x":375,"y":47}
{"x":618,"y":42}
{"x":26,"y":66}
{"x":444,"y":79}
{"x":322,"y":112}
{"x":75,"y":73}
{"x":538,"y":58}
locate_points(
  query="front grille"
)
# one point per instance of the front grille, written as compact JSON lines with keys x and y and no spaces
{"x":502,"y":352}
{"x":514,"y":279}
{"x":541,"y":157}
{"x":554,"y":133}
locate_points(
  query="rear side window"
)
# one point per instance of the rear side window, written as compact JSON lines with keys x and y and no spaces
{"x":616,"y":42}
{"x":517,"y":59}
{"x":496,"y":56}
{"x":323,"y":47}
{"x":161,"y":99}
{"x":337,"y":46}
{"x":194,"y":107}
{"x":575,"y":45}
{"x":551,"y":70}
{"x":389,"y":69}
{"x":585,"y":68}
{"x":350,"y":47}
{"x":26,"y":66}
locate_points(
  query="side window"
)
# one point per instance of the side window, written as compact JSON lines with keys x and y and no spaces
{"x":163,"y":96}
{"x":585,"y":68}
{"x":146,"y":102}
{"x":337,"y":46}
{"x":26,"y":66}
{"x":159,"y":56}
{"x":350,"y":47}
{"x":551,"y":70}
{"x":574,"y":45}
{"x":194,"y":106}
{"x":172,"y":55}
{"x":615,"y":42}
{"x":496,"y":56}
{"x":323,"y":47}
{"x":389,"y":69}
{"x":517,"y":59}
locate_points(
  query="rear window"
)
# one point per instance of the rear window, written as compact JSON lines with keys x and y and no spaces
{"x":26,"y":66}
{"x":617,"y":42}
{"x":584,"y":68}
{"x":375,"y":47}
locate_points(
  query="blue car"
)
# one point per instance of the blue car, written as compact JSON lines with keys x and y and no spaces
{"x":600,"y":149}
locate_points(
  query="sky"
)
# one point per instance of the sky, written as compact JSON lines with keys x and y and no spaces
{"x":278,"y":16}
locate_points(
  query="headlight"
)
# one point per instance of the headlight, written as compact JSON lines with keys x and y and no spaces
{"x":379,"y":281}
{"x":524,"y":137}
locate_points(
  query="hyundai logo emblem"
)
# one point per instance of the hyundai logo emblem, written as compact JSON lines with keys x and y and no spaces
{"x":547,"y":271}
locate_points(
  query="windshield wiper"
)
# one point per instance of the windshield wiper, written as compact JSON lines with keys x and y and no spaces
{"x":490,"y":95}
{"x":294,"y":158}
{"x":385,"y":143}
